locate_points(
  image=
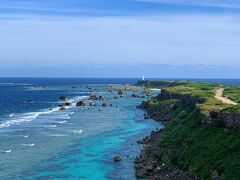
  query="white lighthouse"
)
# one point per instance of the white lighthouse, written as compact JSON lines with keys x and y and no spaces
{"x":143,"y":78}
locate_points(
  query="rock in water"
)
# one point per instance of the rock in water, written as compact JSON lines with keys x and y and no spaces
{"x":93,"y":97}
{"x":115,"y":97}
{"x":101,"y":98}
{"x":117,"y":158}
{"x":104,"y":105}
{"x":62,"y":108}
{"x":120,"y":92}
{"x":68,"y":104}
{"x":81,"y":103}
{"x":135,"y":95}
{"x":63,"y":98}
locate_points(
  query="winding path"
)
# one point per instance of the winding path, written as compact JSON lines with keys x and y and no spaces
{"x":219,"y":96}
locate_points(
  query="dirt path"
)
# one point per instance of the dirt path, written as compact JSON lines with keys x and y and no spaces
{"x":219,"y":96}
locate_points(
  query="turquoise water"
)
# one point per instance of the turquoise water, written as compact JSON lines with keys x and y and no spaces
{"x":77,"y":143}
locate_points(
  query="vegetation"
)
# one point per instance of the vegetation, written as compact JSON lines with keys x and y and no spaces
{"x":233,"y":93}
{"x":190,"y":147}
{"x":160,"y":84}
{"x":232,"y":108}
{"x":201,"y":150}
{"x":204,"y":90}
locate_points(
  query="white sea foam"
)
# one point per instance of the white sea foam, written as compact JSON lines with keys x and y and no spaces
{"x":11,"y":115}
{"x":28,"y":145}
{"x":57,"y":135}
{"x":7,"y":151}
{"x":63,"y":116}
{"x":77,"y":98}
{"x":26,"y":136}
{"x":61,"y":122}
{"x":78,"y":131}
{"x":26,"y":117}
{"x":51,"y":126}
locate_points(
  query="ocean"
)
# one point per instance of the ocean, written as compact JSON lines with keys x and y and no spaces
{"x":40,"y":141}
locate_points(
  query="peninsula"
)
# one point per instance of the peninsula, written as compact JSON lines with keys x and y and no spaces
{"x":201,"y":138}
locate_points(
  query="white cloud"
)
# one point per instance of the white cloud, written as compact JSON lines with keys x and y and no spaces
{"x":175,"y":40}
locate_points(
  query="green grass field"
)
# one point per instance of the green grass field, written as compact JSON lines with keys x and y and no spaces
{"x":204,"y":90}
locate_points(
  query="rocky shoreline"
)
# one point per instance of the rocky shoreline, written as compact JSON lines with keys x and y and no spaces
{"x":151,"y":163}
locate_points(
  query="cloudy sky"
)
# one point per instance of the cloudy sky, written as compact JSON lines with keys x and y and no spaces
{"x":120,"y":38}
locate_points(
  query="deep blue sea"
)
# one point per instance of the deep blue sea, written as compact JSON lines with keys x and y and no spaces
{"x":39,"y":141}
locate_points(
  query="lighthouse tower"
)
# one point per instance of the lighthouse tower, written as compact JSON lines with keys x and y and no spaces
{"x":143,"y":78}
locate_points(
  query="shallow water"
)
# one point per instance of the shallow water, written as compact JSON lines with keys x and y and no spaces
{"x":77,"y":143}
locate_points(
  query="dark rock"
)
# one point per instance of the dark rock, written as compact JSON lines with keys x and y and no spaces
{"x":62,"y":108}
{"x":149,"y":168}
{"x":187,"y":99}
{"x":146,"y":116}
{"x":117,"y":158}
{"x":67,"y":104}
{"x":93,"y":97}
{"x":225,"y":119}
{"x":141,"y":173}
{"x":138,"y":166}
{"x":135,"y":95}
{"x":121,"y":91}
{"x":104,"y":105}
{"x":101,"y":98}
{"x":60,"y":105}
{"x":110,"y":88}
{"x":81,"y":103}
{"x":138,"y":160}
{"x":143,"y":141}
{"x":63,"y":98}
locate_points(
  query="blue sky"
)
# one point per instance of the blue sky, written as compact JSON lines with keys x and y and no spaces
{"x":120,"y":38}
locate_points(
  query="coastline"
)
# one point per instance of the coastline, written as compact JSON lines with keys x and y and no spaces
{"x":151,"y":163}
{"x":89,"y":135}
{"x":193,"y":118}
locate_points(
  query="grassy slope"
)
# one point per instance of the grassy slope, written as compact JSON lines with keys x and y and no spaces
{"x":204,"y":90}
{"x":201,"y":150}
{"x":232,"y":92}
{"x":190,"y":147}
